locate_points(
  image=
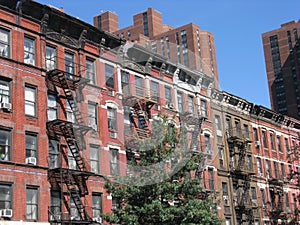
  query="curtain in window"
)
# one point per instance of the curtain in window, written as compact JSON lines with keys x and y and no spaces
{"x":29,"y":51}
{"x":4,"y":92}
{"x":30,"y":101}
{"x":4,"y":145}
{"x":4,"y":43}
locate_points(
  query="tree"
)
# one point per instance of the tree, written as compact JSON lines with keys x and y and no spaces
{"x":167,"y":197}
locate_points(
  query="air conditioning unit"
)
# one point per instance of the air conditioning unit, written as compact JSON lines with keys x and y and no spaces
{"x":111,"y":93}
{"x":31,"y":160}
{"x":55,"y":217}
{"x":6,"y":213}
{"x":257,"y":144}
{"x":97,"y":219}
{"x":113,"y":135}
{"x":171,"y":106}
{"x":225,"y":197}
{"x":5,"y":105}
{"x":261,"y":174}
{"x":291,"y":181}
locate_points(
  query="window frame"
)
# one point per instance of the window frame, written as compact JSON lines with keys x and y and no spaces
{"x":97,"y":204}
{"x":70,"y":64}
{"x":49,"y":61}
{"x":91,"y":70}
{"x":168,"y":95}
{"x":32,"y":204}
{"x":114,"y":161}
{"x":32,"y":151}
{"x":7,"y":44}
{"x":52,"y":108}
{"x":204,"y":110}
{"x":110,"y":77}
{"x":31,"y":53}
{"x":31,"y":103}
{"x":93,"y":116}
{"x":6,"y":203}
{"x":112,"y":119}
{"x":3,"y":95}
{"x":7,"y":155}
{"x":95,"y":161}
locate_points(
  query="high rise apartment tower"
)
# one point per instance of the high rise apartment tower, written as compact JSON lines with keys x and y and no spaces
{"x":282,"y":58}
{"x":187,"y":44}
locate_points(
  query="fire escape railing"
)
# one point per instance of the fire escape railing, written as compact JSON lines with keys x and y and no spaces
{"x":70,"y":182}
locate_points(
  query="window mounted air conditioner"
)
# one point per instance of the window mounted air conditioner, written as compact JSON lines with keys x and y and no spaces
{"x":5,"y":105}
{"x":171,"y":106}
{"x":261,"y":174}
{"x":111,"y":93}
{"x":113,"y":134}
{"x":257,"y":144}
{"x":6,"y":213}
{"x":225,"y":197}
{"x":55,"y":217}
{"x":97,"y":219}
{"x":31,"y":160}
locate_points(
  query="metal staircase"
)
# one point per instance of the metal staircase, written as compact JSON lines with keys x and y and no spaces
{"x":71,"y":182}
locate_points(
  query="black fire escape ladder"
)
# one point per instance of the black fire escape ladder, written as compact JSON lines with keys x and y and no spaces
{"x":242,"y":154}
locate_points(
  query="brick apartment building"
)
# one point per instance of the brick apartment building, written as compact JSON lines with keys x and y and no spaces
{"x":187,"y":44}
{"x":72,"y":98}
{"x":282,"y":59}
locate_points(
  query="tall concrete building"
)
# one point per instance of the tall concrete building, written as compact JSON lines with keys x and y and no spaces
{"x":187,"y":44}
{"x":282,"y":58}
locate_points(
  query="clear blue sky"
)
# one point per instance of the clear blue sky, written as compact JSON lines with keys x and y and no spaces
{"x":236,"y":24}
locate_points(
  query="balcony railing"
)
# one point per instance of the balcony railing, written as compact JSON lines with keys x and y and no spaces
{"x":132,"y":90}
{"x":237,"y":133}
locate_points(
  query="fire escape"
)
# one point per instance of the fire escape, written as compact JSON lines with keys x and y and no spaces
{"x":138,"y":101}
{"x":241,"y":171}
{"x":70,"y":182}
{"x":276,"y":183}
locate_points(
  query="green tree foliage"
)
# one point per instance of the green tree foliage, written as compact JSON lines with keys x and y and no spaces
{"x":177,"y":199}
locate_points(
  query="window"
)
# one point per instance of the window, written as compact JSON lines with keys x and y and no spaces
{"x":94,"y":157}
{"x":228,"y":125}
{"x":208,"y":149}
{"x":30,"y":101}
{"x":267,"y":168}
{"x":225,"y":189}
{"x":228,"y":221}
{"x":246,"y":131}
{"x":92,"y":113}
{"x":249,"y":161}
{"x":52,"y":107}
{"x":69,"y":112}
{"x":74,"y":213}
{"x":51,"y":58}
{"x":180,"y":101}
{"x":191,"y":104}
{"x":110,"y":77}
{"x":259,"y":169}
{"x":264,"y":137}
{"x":5,"y":196}
{"x":287,"y":148}
{"x":253,"y":194}
{"x":112,"y":118}
{"x":272,"y":140}
{"x":287,"y":201}
{"x":32,"y":205}
{"x":279,"y":144}
{"x":114,"y":161}
{"x":71,"y":160}
{"x":168,"y":95}
{"x":221,"y":157}
{"x":263,"y":198}
{"x":97,"y":204}
{"x":125,"y":81}
{"x":29,"y":50}
{"x":218,"y":123}
{"x":31,"y":145}
{"x":69,"y":63}
{"x":90,"y":70}
{"x":53,"y":154}
{"x":4,"y":91}
{"x":255,"y":134}
{"x":139,"y":86}
{"x":55,"y":201}
{"x":115,"y":203}
{"x":155,"y":91}
{"x":203,"y":108}
{"x":282,"y":170}
{"x":4,"y":43}
{"x":145,"y":23}
{"x":5,"y":144}
{"x":211,"y":179}
{"x":276,"y":169}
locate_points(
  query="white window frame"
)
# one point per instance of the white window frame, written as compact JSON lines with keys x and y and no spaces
{"x":30,"y":100}
{"x":29,"y":50}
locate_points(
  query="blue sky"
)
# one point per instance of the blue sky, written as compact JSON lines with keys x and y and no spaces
{"x":237,"y":26}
